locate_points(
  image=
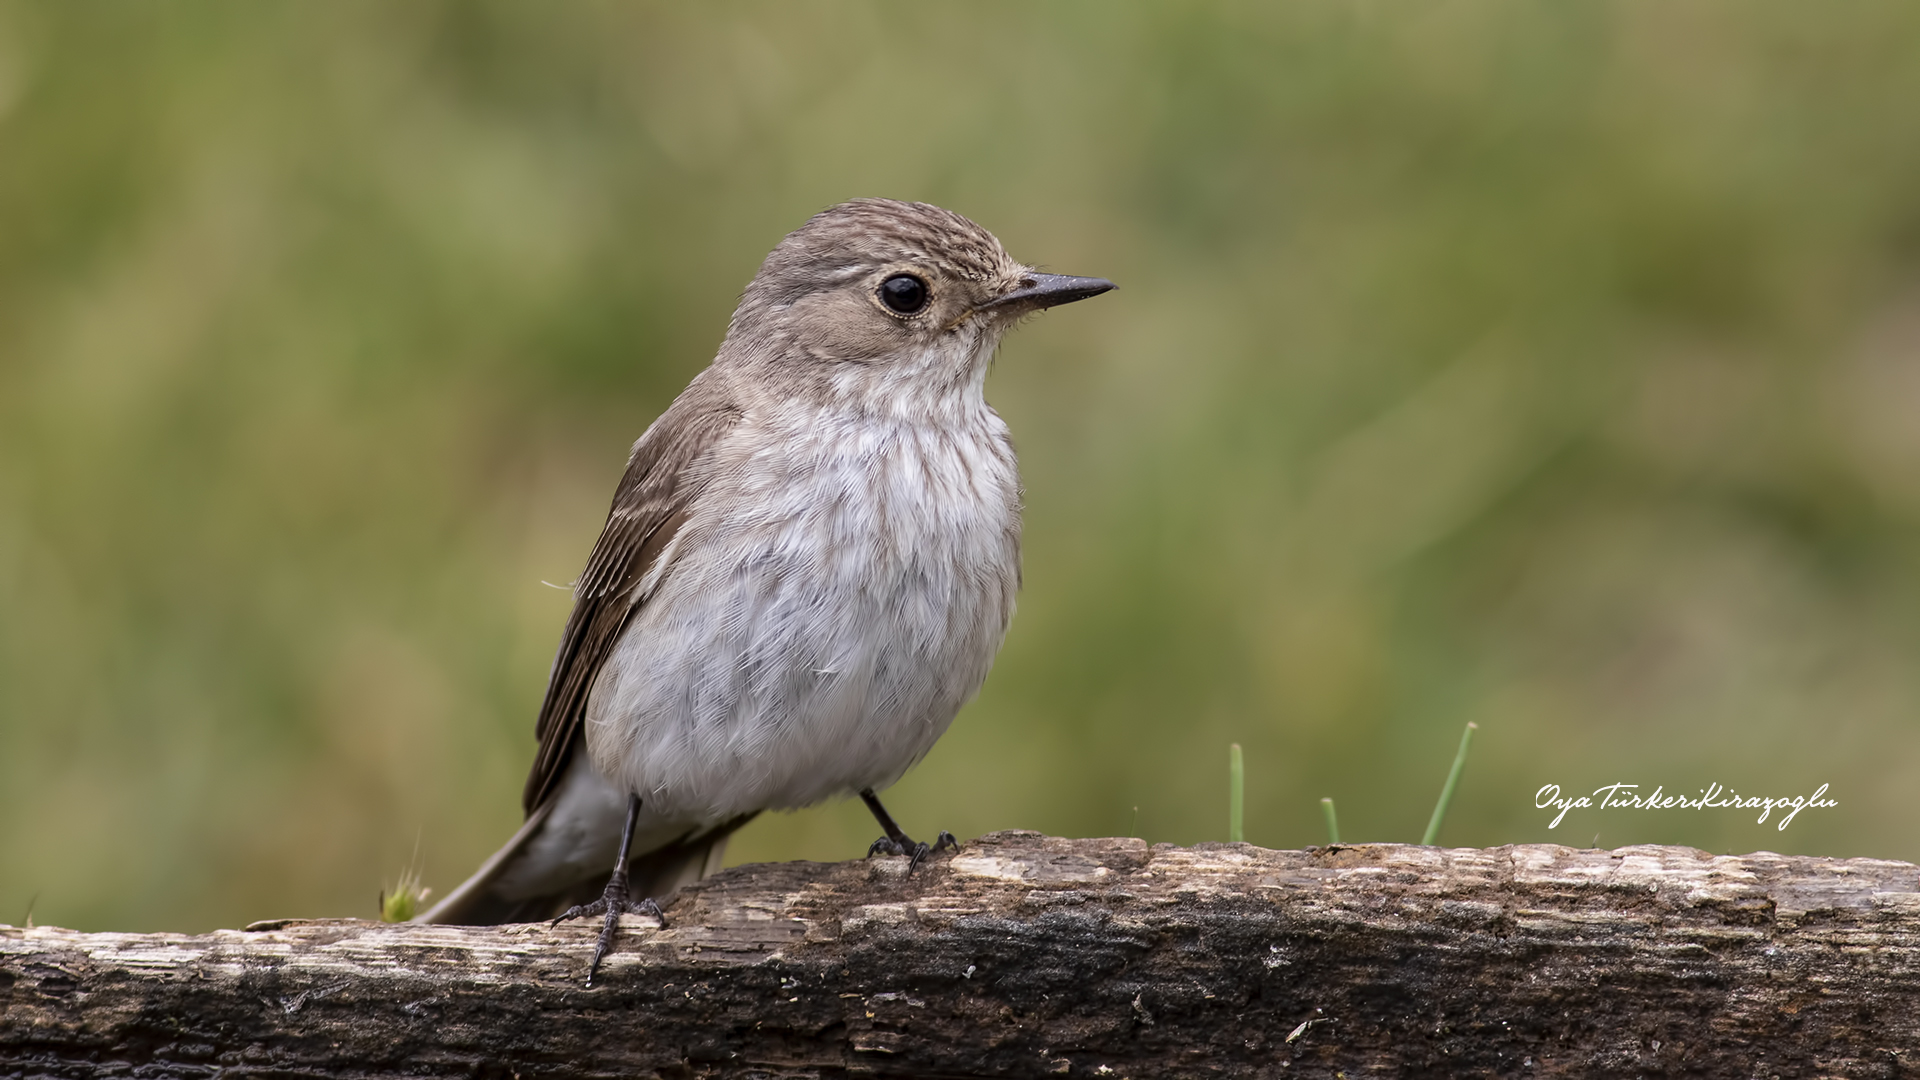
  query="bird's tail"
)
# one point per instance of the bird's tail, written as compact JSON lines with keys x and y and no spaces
{"x":654,"y":874}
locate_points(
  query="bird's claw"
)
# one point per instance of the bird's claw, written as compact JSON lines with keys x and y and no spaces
{"x":613,"y":903}
{"x":905,"y":846}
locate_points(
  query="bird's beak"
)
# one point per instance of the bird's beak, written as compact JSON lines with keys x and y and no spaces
{"x":1038,"y":291}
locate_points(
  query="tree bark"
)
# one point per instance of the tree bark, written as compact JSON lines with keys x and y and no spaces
{"x":1026,"y":955}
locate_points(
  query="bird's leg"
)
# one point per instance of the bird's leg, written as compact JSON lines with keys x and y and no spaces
{"x":614,"y":902}
{"x":897,"y":842}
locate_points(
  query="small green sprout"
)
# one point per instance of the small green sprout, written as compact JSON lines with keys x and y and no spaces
{"x":1446,"y":793}
{"x":407,"y":898}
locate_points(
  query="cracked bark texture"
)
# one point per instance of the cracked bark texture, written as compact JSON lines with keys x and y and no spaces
{"x":1026,"y":955}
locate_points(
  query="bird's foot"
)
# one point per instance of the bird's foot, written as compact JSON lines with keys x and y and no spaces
{"x":887,"y":845}
{"x":613,"y":903}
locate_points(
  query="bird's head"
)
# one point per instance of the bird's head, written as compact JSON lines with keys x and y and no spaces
{"x":877,"y":291}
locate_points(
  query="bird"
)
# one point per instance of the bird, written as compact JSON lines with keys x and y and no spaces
{"x":808,"y":567}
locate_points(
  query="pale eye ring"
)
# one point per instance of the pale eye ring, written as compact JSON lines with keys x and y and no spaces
{"x":904,"y":293}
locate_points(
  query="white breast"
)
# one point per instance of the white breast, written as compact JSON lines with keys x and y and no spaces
{"x":835,"y":597}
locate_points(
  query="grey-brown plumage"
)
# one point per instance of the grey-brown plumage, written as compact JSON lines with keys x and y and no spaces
{"x":808,"y":566}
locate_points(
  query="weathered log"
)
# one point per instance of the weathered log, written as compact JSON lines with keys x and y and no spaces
{"x":1026,"y":955}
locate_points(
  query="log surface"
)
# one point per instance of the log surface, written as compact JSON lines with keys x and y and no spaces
{"x":1031,"y":956}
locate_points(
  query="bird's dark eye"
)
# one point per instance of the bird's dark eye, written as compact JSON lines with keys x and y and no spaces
{"x":904,"y":293}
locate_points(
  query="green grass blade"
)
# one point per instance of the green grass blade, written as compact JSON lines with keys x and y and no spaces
{"x":1446,"y":793}
{"x":1333,"y":821}
{"x":1236,"y":795}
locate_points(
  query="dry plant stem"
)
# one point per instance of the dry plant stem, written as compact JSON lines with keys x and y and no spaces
{"x":1236,"y":795}
{"x":1028,"y":956}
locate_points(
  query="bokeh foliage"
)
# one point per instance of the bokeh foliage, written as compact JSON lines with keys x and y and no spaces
{"x":1553,"y":366}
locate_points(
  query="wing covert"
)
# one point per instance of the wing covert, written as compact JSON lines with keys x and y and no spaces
{"x":653,"y":500}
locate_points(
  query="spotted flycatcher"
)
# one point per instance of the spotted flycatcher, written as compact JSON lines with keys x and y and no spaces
{"x":807,"y":570}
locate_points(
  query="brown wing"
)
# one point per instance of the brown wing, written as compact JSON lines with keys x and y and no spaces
{"x":648,"y":508}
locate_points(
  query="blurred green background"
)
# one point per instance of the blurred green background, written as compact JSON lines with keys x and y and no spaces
{"x":1552,"y":366}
